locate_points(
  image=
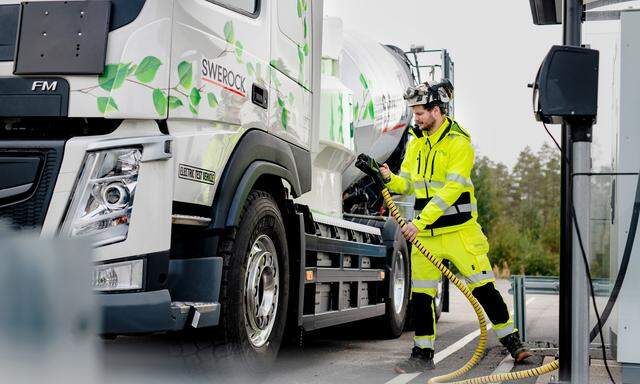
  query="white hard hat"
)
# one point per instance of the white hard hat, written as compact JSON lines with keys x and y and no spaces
{"x":425,"y":94}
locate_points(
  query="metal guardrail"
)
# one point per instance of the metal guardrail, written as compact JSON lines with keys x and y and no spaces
{"x":541,"y":285}
{"x":519,"y":305}
{"x":550,"y":285}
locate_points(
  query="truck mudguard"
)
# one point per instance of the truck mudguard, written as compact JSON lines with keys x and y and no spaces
{"x":257,"y":154}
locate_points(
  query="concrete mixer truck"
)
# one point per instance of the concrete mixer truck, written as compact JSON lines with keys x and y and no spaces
{"x":205,"y":149}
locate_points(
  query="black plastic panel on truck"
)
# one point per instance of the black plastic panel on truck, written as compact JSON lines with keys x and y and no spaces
{"x":63,"y":38}
{"x":18,"y":171}
{"x":40,"y":160}
{"x":33,"y":97}
{"x":9,"y":16}
{"x":123,"y":12}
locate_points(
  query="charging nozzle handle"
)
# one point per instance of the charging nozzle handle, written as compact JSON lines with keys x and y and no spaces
{"x":371,"y":168}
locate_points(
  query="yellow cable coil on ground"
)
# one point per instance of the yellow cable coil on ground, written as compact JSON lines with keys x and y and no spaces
{"x":509,"y":376}
{"x":482,"y":343}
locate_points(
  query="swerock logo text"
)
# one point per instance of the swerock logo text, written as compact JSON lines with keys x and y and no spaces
{"x":223,"y":77}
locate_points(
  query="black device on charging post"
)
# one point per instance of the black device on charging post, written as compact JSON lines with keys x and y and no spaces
{"x":546,"y":12}
{"x":567,"y":85}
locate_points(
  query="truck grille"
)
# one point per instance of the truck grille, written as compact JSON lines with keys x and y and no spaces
{"x":26,"y":209}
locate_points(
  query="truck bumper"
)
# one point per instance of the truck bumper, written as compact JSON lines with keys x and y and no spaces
{"x":138,"y":312}
{"x":189,"y":300}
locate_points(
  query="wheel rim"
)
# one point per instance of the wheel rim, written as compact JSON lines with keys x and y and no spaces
{"x":398,"y":282}
{"x":261,"y":290}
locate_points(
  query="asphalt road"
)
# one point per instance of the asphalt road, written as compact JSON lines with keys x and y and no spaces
{"x":353,"y":354}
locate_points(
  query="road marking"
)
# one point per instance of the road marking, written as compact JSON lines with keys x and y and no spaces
{"x":464,"y":341}
{"x":505,"y":366}
{"x":453,"y":348}
{"x":404,"y":378}
{"x":458,"y":345}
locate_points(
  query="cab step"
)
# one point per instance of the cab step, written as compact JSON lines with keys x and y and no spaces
{"x":194,"y":314}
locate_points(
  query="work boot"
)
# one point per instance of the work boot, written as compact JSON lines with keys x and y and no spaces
{"x":421,"y":360}
{"x":513,"y":344}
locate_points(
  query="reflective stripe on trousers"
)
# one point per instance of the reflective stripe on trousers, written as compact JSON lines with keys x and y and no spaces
{"x":504,"y":329}
{"x":424,"y":341}
{"x":425,"y":283}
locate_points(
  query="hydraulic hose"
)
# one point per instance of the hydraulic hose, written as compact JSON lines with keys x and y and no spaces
{"x":482,"y":343}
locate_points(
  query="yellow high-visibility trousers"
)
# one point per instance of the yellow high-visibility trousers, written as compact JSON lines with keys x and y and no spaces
{"x":467,"y":249}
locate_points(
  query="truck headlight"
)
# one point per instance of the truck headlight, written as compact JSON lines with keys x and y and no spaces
{"x":124,"y":276}
{"x":103,"y":197}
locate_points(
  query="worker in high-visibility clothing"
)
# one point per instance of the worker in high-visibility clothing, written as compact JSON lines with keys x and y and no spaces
{"x":437,"y":170}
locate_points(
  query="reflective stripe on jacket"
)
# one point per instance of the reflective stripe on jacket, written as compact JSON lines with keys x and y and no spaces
{"x":437,"y":169}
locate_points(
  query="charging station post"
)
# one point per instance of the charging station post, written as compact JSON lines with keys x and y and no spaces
{"x":572,"y":35}
{"x":567,"y":87}
{"x":576,"y":134}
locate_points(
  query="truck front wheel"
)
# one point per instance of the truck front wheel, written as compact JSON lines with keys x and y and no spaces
{"x":400,"y":287}
{"x":255,"y":283}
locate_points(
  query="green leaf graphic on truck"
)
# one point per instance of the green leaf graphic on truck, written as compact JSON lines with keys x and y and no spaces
{"x":116,"y":75}
{"x":364,"y":109}
{"x":183,"y":94}
{"x":230,"y":38}
{"x":303,"y":49}
{"x":193,"y":97}
{"x":285,"y":102}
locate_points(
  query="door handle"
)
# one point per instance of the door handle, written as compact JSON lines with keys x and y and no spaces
{"x":260,"y":96}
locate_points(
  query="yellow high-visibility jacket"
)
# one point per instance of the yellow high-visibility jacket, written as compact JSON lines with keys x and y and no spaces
{"x":437,"y":169}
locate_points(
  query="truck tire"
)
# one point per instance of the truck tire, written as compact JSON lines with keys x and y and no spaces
{"x":400,"y":288}
{"x":255,"y":284}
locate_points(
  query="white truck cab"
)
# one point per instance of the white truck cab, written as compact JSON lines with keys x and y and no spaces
{"x":203,"y":147}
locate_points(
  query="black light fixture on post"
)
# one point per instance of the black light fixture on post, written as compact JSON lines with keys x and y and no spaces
{"x":546,"y":12}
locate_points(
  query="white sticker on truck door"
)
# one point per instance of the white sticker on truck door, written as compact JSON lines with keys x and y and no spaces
{"x":198,"y":175}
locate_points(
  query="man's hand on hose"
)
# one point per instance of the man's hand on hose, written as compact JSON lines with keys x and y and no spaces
{"x":410,"y":231}
{"x":385,"y":172}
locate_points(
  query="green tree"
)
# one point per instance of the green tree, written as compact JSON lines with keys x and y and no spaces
{"x":520,"y":210}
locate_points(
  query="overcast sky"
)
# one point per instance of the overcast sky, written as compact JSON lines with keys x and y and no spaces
{"x":497,"y":51}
